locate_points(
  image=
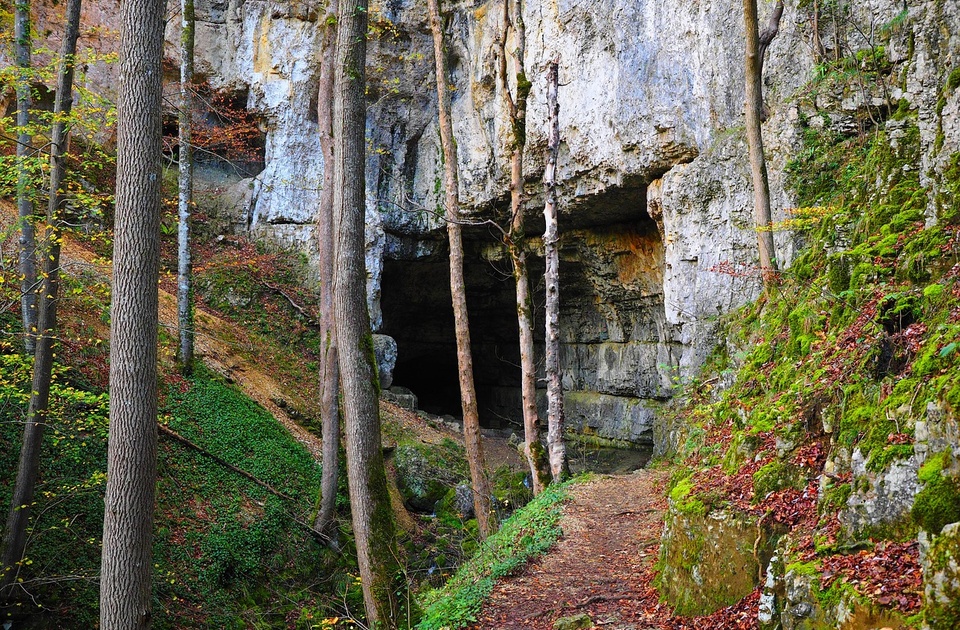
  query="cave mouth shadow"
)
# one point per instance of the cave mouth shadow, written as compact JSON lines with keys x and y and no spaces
{"x":612,"y":314}
{"x":417,"y":313}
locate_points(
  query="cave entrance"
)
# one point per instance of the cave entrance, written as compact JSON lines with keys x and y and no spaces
{"x":616,"y":346}
{"x":417,"y":313}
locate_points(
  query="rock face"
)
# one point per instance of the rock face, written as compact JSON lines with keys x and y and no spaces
{"x":655,"y":195}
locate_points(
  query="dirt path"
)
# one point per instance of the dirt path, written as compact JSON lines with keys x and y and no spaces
{"x":601,"y":566}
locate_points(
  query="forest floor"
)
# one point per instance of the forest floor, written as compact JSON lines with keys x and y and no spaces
{"x":602,"y":567}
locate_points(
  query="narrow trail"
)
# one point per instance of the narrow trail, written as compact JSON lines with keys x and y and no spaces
{"x":601,"y":567}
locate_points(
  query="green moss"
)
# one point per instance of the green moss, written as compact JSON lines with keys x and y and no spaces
{"x":953,"y":80}
{"x":803,"y":568}
{"x":838,"y":274}
{"x":931,"y":469}
{"x":682,"y":499}
{"x":367,"y":347}
{"x":835,"y":498}
{"x":903,"y":110}
{"x":937,"y":504}
{"x":777,"y":475}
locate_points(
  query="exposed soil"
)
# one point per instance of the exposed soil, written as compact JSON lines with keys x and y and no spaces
{"x":602,"y":565}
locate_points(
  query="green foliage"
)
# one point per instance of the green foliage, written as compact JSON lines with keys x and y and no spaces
{"x":937,"y":504}
{"x":223,"y":545}
{"x":527,"y":534}
{"x":67,"y":517}
{"x":953,"y":79}
{"x":775,"y":476}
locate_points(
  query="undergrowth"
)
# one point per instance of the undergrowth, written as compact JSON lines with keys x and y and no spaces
{"x":842,"y":358}
{"x":527,"y":534}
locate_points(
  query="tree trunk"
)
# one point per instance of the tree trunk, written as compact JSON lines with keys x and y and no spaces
{"x":15,"y":536}
{"x":185,"y":199}
{"x":555,"y":419}
{"x":468,"y":394}
{"x":326,"y":240}
{"x":758,"y":168}
{"x":769,"y":32}
{"x":132,"y":451}
{"x":517,"y":110}
{"x":28,"y":236}
{"x":373,"y":525}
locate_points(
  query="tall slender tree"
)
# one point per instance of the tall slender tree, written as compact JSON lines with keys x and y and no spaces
{"x":185,"y":197}
{"x":15,"y":536}
{"x":23,"y":45}
{"x":132,"y":441}
{"x":555,"y":419}
{"x":516,"y":106}
{"x":373,"y":524}
{"x":756,"y":45}
{"x":326,"y":240}
{"x":468,"y":394}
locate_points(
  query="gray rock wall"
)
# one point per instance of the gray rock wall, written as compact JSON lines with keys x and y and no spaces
{"x":651,"y":127}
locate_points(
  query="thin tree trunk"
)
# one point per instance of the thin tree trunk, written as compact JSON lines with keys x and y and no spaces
{"x":758,"y":168}
{"x":373,"y":525}
{"x":818,"y":51}
{"x":468,"y":394}
{"x":326,"y":227}
{"x":770,"y":31}
{"x":28,"y":235}
{"x":555,"y":419}
{"x":517,"y":110}
{"x":23,"y":491}
{"x":185,"y":200}
{"x":132,"y":451}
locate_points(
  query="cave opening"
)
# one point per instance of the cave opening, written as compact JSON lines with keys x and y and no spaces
{"x":616,"y":346}
{"x":417,"y":313}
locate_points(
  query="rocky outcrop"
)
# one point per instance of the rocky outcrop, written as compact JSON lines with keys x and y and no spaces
{"x":711,"y":559}
{"x":652,"y":165}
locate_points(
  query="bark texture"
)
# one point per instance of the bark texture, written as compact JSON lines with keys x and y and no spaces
{"x":512,"y":23}
{"x":486,"y":521}
{"x":185,"y":197}
{"x":15,"y":536}
{"x":754,"y":117}
{"x":555,"y":420}
{"x":28,"y":234}
{"x":326,"y":240}
{"x":132,"y":451}
{"x":373,"y":524}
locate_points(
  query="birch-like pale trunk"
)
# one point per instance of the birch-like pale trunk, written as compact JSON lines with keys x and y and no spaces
{"x":28,"y":232}
{"x":556,"y":447}
{"x":125,"y":574}
{"x":15,"y":534}
{"x":486,"y":521}
{"x":372,"y":514}
{"x":512,"y":21}
{"x":185,"y":197}
{"x":326,"y":242}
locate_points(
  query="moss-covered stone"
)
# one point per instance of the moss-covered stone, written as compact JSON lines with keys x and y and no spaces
{"x":708,"y":561}
{"x":941,"y":577}
{"x":938,"y":504}
{"x":426,"y":473}
{"x":775,"y":476}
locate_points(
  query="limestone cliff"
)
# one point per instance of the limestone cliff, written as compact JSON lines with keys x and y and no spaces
{"x":656,"y":224}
